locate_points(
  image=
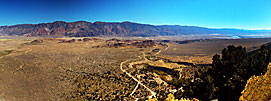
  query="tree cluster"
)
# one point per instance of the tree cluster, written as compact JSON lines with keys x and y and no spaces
{"x":228,"y":75}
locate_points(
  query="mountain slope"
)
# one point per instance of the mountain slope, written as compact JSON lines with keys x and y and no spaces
{"x":84,"y":29}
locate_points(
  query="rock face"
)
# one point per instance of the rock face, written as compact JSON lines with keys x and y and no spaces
{"x":144,"y":44}
{"x":88,"y":29}
{"x":37,"y":41}
{"x":116,"y":43}
{"x":101,"y":43}
{"x":258,"y":88}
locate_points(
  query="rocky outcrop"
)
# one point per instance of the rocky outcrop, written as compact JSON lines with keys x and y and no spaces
{"x":144,"y":44}
{"x":258,"y":88}
{"x":110,"y":43}
{"x":115,"y":43}
{"x":37,"y":41}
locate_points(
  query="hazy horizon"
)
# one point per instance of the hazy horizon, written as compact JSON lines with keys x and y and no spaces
{"x":144,"y":23}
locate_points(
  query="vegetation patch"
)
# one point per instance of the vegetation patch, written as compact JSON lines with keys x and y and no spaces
{"x":227,"y":76}
{"x":5,"y":52}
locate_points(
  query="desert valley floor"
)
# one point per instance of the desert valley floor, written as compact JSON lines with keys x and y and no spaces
{"x":89,"y":68}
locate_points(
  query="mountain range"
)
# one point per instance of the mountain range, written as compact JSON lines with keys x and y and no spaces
{"x":88,"y":29}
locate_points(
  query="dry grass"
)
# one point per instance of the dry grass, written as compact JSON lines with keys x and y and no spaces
{"x":202,"y":52}
{"x":11,"y":44}
{"x":47,"y":71}
{"x":40,"y":72}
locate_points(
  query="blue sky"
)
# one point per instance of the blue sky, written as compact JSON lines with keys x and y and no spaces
{"x":244,"y":14}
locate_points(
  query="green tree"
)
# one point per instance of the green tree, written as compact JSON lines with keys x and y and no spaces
{"x":235,"y":67}
{"x":227,"y":76}
{"x":229,"y":72}
{"x":259,"y":61}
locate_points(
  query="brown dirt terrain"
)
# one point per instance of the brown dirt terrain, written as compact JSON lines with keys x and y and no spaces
{"x":202,"y":52}
{"x":76,"y":69}
{"x":49,"y":69}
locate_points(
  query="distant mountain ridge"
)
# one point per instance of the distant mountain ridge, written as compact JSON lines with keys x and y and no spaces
{"x":88,"y":29}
